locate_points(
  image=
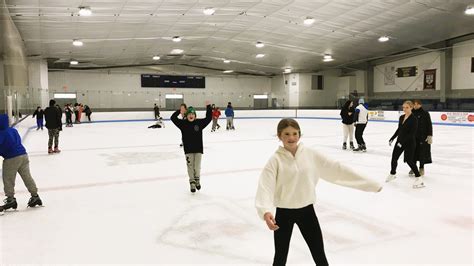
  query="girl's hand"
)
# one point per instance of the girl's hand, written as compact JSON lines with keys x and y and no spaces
{"x":270,"y":220}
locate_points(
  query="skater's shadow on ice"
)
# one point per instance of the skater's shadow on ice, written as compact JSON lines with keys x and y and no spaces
{"x":128,"y":158}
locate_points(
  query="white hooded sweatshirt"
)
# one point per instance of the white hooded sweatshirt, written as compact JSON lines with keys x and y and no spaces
{"x":289,"y":181}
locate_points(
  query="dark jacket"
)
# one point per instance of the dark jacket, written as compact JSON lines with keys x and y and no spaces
{"x":192,"y":131}
{"x":425,"y":129}
{"x":406,"y":131}
{"x":346,"y":118}
{"x":39,"y":114}
{"x":53,"y":116}
{"x":10,"y":141}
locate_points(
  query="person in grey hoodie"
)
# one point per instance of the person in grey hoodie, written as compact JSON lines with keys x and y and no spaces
{"x":15,"y":160}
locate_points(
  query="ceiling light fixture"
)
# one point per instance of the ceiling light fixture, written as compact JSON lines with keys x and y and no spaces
{"x":308,"y":21}
{"x":228,"y":71}
{"x":260,"y":55}
{"x":208,"y":11}
{"x":176,"y":39}
{"x":177,"y":51}
{"x":259,"y":44}
{"x":287,"y":70}
{"x":85,"y":11}
{"x":327,"y":56}
{"x":76,"y":42}
{"x":384,"y":38}
{"x":74,"y":62}
{"x":469,"y":10}
{"x":156,"y":57}
{"x":226,"y":61}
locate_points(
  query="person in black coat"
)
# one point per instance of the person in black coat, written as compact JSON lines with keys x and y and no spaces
{"x":39,"y":113}
{"x":405,"y":134}
{"x":191,"y":130}
{"x":88,"y":112}
{"x":53,"y":116}
{"x":347,"y":115}
{"x":424,"y":136}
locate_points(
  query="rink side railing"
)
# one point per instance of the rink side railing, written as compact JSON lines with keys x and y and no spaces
{"x":438,"y":118}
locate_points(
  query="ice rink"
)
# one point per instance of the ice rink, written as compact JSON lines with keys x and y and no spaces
{"x":118,"y":193}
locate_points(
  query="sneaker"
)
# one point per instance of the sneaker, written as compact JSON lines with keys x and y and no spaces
{"x":34,"y":201}
{"x":411,"y":173}
{"x":56,"y":150}
{"x":193,"y":186}
{"x":390,"y":177}
{"x":344,"y":146}
{"x":10,"y":203}
{"x":418,"y":183}
{"x":422,"y":171}
{"x":198,"y":183}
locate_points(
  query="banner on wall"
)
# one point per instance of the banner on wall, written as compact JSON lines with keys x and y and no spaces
{"x":389,"y":75}
{"x":376,"y":115}
{"x":429,"y":82}
{"x":457,"y":117}
{"x":410,"y":71}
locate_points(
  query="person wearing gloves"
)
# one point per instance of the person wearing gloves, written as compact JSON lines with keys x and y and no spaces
{"x":288,"y":183}
{"x":424,"y":136}
{"x":15,"y":161}
{"x":405,"y":134}
{"x":191,"y":130}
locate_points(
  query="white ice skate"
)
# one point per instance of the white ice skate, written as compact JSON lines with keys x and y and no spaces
{"x":390,"y":177}
{"x":411,"y":173}
{"x":418,"y":183}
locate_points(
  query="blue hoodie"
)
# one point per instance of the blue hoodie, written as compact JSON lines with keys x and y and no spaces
{"x":229,"y":111}
{"x":10,"y":141}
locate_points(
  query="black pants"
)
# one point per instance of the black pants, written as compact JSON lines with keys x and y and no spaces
{"x":359,"y":132}
{"x":409,"y":157}
{"x":308,"y":223}
{"x":68,"y":119}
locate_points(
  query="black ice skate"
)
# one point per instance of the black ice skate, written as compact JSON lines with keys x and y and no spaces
{"x":344,"y":146}
{"x":193,"y":186}
{"x":10,"y":203}
{"x":351,"y":145}
{"x":35,"y":201}
{"x":1,"y":210}
{"x":198,"y":183}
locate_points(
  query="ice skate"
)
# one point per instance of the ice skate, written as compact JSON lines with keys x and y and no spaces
{"x":56,"y":150}
{"x":418,"y":183}
{"x":344,"y":146}
{"x":364,"y":149}
{"x":1,"y":210}
{"x":35,"y":201}
{"x":411,"y":173}
{"x":359,"y":149}
{"x":198,"y":183}
{"x":50,"y":151}
{"x":351,"y":145}
{"x":422,"y":171}
{"x":193,"y":186}
{"x":390,"y":177}
{"x":10,"y":203}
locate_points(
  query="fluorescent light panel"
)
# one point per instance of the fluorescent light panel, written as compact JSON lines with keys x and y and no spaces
{"x":174,"y":96}
{"x":64,"y":96}
{"x":260,"y":96}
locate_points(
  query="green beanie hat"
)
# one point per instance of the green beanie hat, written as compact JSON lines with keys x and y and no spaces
{"x":190,"y":110}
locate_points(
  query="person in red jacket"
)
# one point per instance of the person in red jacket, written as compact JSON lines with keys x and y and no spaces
{"x":215,"y":117}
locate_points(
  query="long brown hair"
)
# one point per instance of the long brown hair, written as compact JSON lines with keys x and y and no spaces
{"x":287,"y":122}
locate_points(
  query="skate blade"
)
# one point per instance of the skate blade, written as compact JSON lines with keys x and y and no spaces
{"x":418,"y":186}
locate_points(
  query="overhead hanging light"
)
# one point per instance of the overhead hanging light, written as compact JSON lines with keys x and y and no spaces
{"x":85,"y":11}
{"x":287,"y":70}
{"x":176,"y":39}
{"x":327,"y":58}
{"x":308,"y":21}
{"x":259,"y":44}
{"x":226,"y":61}
{"x":228,"y":71}
{"x":469,"y":10}
{"x":208,"y":11}
{"x":260,"y":55}
{"x":384,"y":38}
{"x":73,"y":62}
{"x":76,"y":42}
{"x":156,"y":57}
{"x":177,"y":51}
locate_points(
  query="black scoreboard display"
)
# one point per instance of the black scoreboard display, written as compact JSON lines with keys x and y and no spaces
{"x":166,"y":81}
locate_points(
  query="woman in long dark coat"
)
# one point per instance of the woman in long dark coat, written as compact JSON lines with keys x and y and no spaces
{"x":405,"y":143}
{"x":424,"y":136}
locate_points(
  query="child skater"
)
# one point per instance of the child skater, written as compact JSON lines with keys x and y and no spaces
{"x":288,"y":183}
{"x":191,"y":130}
{"x":406,"y":142}
{"x":39,"y":113}
{"x":15,"y":160}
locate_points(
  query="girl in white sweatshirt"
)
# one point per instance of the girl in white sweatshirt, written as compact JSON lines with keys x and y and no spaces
{"x":288,"y":183}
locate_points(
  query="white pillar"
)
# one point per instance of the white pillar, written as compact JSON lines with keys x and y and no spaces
{"x":39,"y":83}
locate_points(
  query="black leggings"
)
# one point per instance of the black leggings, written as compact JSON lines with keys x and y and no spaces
{"x":308,"y":223}
{"x":409,"y":155}
{"x":359,"y":132}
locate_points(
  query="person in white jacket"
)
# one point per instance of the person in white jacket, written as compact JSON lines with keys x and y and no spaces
{"x":288,"y":183}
